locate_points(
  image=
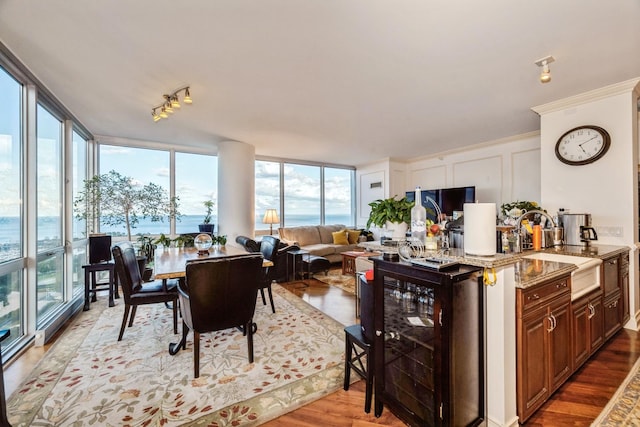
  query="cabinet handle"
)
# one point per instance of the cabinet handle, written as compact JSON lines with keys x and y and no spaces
{"x":592,"y":310}
{"x":552,"y":323}
{"x":613,"y":304}
{"x":378,"y":333}
{"x":561,"y":285}
{"x":532,"y":297}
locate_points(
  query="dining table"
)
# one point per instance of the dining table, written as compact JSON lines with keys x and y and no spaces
{"x":171,"y":263}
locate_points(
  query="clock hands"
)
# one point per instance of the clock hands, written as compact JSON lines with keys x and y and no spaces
{"x":584,"y":142}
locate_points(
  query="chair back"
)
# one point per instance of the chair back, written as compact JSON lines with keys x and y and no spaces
{"x":248,"y":243}
{"x":220,"y":293}
{"x":269,"y":247}
{"x":99,"y":249}
{"x":127,"y":269}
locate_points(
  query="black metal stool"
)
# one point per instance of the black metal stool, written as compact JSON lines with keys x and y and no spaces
{"x":359,"y":357}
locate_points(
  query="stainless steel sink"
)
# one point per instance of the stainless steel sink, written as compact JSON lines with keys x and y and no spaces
{"x":583,"y":280}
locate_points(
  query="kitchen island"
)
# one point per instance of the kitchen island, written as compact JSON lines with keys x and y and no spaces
{"x":508,"y":273}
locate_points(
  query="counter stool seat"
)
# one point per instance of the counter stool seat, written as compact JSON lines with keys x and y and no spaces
{"x":359,"y":357}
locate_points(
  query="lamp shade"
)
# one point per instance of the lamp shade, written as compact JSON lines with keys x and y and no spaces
{"x":271,"y":217}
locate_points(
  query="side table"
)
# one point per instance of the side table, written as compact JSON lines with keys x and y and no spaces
{"x":293,"y":257}
{"x":91,"y":286}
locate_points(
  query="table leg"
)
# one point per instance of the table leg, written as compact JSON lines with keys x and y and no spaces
{"x":94,"y":294}
{"x":174,"y":348}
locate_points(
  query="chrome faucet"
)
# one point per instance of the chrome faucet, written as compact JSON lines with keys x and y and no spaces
{"x":519,"y":239}
{"x":534,"y":211}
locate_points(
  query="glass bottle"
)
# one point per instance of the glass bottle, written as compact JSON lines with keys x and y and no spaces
{"x":418,"y":218}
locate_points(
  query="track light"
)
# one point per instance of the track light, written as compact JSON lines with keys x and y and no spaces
{"x":171,"y":103}
{"x":545,"y":75}
{"x":187,"y":96}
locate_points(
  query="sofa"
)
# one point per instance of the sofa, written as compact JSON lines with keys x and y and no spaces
{"x":327,"y":241}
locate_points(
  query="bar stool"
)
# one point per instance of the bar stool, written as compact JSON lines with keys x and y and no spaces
{"x":359,"y":357}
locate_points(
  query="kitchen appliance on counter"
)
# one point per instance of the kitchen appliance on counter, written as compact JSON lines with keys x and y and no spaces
{"x":578,"y":230}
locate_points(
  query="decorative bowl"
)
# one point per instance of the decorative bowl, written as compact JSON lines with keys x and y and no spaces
{"x":202,"y":243}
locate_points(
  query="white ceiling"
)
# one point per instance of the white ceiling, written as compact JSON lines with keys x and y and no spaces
{"x":340,"y":81}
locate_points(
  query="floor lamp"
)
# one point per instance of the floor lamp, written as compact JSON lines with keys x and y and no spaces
{"x":271,"y":217}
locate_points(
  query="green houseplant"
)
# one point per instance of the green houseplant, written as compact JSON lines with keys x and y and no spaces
{"x":206,"y":226}
{"x":390,"y":210}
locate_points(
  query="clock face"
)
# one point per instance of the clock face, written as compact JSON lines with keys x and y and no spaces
{"x":582,"y":145}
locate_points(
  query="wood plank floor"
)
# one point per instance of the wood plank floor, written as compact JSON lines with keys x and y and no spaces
{"x":577,"y":403}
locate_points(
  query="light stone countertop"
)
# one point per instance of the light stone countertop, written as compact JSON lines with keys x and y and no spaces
{"x":528,"y":272}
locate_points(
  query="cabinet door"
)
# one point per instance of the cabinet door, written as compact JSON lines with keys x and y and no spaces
{"x":559,"y":347}
{"x":580,"y":343}
{"x":533,"y":366}
{"x":596,"y":323}
{"x":610,"y":267}
{"x":612,"y":315}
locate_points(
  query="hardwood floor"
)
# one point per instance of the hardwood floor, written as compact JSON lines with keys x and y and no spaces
{"x":577,"y":403}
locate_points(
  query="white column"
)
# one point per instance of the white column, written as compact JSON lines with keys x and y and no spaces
{"x":236,"y":189}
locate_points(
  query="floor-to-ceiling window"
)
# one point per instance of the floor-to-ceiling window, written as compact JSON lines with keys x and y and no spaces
{"x":144,"y":166}
{"x":49,"y":232}
{"x":339,"y":207}
{"x":12,"y":260}
{"x":301,"y":195}
{"x":196,"y":182}
{"x":304,"y":194}
{"x":79,"y":228}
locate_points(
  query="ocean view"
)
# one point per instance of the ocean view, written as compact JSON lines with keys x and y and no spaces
{"x":48,"y":227}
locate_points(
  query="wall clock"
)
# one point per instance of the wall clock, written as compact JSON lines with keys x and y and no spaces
{"x":582,"y":145}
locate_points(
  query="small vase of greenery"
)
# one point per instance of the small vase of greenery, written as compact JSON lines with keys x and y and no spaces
{"x":206,"y":226}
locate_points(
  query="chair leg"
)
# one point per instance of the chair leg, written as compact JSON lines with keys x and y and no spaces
{"x":264,"y":301}
{"x":175,"y":316}
{"x":347,"y":360}
{"x":249,"y":331}
{"x":196,"y":354}
{"x":133,"y":314}
{"x":124,"y":321}
{"x":273,"y":308}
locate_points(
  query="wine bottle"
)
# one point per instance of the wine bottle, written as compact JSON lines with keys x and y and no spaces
{"x":418,"y":219}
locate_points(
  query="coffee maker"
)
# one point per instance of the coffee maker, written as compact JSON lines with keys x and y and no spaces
{"x":578,"y":230}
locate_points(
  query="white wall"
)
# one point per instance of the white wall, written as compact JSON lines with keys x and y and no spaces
{"x":608,"y":188}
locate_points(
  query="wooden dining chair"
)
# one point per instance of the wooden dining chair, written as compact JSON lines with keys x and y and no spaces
{"x":137,"y":292}
{"x":219,"y":294}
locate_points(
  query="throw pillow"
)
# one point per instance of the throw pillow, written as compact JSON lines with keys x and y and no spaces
{"x":353,"y":236}
{"x":340,"y":238}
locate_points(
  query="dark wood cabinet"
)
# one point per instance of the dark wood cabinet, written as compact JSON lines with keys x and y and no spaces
{"x":543,"y":337}
{"x":429,"y":344}
{"x":588,"y":327}
{"x":615,"y":276}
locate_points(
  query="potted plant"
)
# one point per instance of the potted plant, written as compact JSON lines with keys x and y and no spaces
{"x":163,"y":240}
{"x":206,"y":226}
{"x":392,"y":213}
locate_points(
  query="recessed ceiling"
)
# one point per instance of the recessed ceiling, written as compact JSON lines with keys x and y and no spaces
{"x":340,"y":81}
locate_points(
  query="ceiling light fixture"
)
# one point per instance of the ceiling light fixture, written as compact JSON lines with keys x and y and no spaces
{"x":545,"y":75}
{"x":170,"y":104}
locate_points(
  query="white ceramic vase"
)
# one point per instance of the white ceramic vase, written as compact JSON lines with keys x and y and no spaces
{"x":397,"y":230}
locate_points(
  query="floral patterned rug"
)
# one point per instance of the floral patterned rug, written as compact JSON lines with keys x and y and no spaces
{"x":624,"y":407}
{"x":335,"y":278}
{"x":89,"y":378}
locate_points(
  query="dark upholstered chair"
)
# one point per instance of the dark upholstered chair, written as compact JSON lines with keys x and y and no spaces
{"x":279,"y":270}
{"x":248,"y":243}
{"x":137,"y":292}
{"x":269,"y":250}
{"x":219,"y":294}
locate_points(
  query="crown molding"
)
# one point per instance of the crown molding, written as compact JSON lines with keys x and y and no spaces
{"x":593,"y":95}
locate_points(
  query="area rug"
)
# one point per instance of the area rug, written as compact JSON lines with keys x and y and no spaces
{"x":89,"y":378}
{"x":335,"y":278}
{"x":624,"y":407}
